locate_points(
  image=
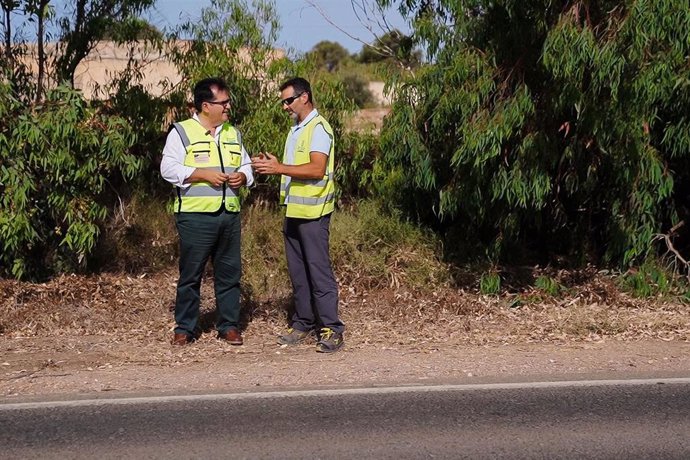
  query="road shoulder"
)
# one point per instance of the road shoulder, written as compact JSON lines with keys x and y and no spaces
{"x":99,"y":366}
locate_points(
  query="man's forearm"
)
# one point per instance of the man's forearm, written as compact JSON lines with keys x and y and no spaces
{"x":305,"y":171}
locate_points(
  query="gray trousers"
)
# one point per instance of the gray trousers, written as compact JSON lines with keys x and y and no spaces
{"x":314,"y":287}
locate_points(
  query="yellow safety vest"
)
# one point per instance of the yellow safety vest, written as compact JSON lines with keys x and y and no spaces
{"x":309,"y":198}
{"x":203,"y":153}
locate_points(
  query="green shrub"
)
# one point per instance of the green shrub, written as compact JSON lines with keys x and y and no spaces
{"x":649,"y":280}
{"x":548,"y":285}
{"x":563,"y":130}
{"x":57,"y":162}
{"x":357,"y":90}
{"x":490,"y":283}
{"x":374,"y":248}
{"x":354,"y":170}
{"x":139,"y":237}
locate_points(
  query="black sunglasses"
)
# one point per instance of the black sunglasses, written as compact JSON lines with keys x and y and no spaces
{"x":291,"y":99}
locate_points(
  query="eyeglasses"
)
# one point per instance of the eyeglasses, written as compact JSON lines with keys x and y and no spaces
{"x":223,"y":103}
{"x":291,"y":99}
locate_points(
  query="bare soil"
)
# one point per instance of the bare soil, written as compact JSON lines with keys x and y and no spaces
{"x":370,"y":119}
{"x":89,"y":335}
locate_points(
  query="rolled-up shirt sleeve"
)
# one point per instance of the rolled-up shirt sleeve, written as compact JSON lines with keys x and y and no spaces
{"x":173,"y":168}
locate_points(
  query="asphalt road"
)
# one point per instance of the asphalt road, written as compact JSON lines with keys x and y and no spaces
{"x":605,"y":419}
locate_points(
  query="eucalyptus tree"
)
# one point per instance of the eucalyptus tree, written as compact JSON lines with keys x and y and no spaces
{"x":60,"y":155}
{"x":75,"y":28}
{"x":558,"y":126}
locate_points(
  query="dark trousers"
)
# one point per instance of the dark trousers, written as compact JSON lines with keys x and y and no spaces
{"x":314,"y":287}
{"x":204,"y":236}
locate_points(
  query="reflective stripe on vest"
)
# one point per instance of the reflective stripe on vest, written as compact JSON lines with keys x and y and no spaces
{"x":309,"y":198}
{"x":202,"y":152}
{"x":314,"y":182}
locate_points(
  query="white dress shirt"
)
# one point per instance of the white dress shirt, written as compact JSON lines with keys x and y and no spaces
{"x":174,"y":170}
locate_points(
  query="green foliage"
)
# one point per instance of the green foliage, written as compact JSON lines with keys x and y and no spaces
{"x":354,"y":171}
{"x":232,"y":40}
{"x":55,"y":163}
{"x":373,"y":248}
{"x":490,"y":283}
{"x":548,"y":285}
{"x":649,"y":280}
{"x":328,"y":56}
{"x":556,"y":126}
{"x":356,"y":89}
{"x":130,"y":100}
{"x":393,"y":48}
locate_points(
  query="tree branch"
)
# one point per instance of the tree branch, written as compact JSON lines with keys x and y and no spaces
{"x":670,"y":248}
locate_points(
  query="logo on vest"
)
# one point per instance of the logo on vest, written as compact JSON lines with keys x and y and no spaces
{"x":202,"y":157}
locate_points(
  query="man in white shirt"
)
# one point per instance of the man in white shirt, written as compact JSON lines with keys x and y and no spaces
{"x":205,"y":161}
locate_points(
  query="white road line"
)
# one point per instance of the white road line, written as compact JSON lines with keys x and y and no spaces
{"x":339,"y":392}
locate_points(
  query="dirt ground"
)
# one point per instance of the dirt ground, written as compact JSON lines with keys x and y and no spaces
{"x":89,"y":366}
{"x":98,"y":335}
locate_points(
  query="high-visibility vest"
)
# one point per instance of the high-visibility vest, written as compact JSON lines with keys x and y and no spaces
{"x":309,"y":198}
{"x":204,"y":153}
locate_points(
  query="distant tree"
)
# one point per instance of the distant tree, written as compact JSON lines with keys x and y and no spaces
{"x":87,"y":22}
{"x":132,"y":29}
{"x":328,"y":55}
{"x":356,"y":88}
{"x":393,"y":46}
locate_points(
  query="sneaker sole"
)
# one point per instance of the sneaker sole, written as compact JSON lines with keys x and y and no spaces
{"x":280,"y":341}
{"x":320,"y":349}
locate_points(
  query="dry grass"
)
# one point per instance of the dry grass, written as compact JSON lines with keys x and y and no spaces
{"x":394,"y":292}
{"x":120,"y":305}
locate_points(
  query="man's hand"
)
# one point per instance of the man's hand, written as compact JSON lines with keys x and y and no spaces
{"x":214,"y":178}
{"x":265,"y":163}
{"x":236,"y":179}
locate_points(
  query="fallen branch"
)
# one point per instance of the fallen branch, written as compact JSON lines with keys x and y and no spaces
{"x":671,"y":248}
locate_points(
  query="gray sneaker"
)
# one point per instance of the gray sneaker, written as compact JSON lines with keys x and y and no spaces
{"x":294,"y":336}
{"x":329,"y":341}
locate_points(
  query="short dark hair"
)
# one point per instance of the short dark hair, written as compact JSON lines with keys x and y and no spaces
{"x":300,"y":85}
{"x":203,"y":90}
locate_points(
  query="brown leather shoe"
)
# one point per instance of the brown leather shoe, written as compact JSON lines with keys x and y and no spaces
{"x":182,"y":339}
{"x":232,"y":336}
